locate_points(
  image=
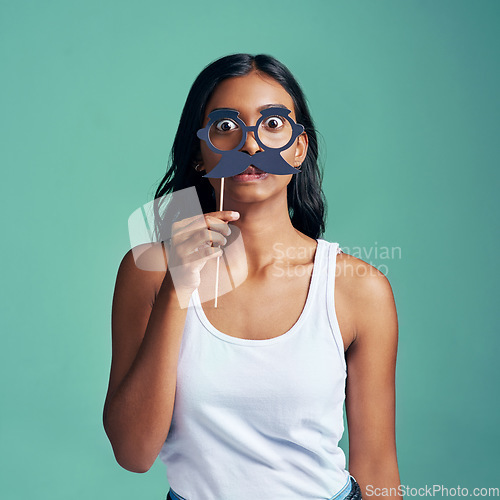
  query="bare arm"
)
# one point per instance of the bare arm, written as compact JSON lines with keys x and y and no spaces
{"x":370,"y":389}
{"x":147,"y":331}
{"x":146,"y":342}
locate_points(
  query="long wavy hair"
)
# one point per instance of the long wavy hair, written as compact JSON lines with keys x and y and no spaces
{"x":306,"y":200}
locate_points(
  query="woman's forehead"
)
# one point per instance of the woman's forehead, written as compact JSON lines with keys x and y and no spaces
{"x":249,"y":94}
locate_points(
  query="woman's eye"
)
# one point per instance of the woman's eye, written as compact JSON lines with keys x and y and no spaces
{"x":274,"y":122}
{"x":226,"y":125}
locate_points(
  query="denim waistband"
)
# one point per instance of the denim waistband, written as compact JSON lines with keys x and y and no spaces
{"x":346,"y":489}
{"x":174,"y":495}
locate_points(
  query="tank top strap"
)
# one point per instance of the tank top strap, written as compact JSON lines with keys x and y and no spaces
{"x":332,"y":271}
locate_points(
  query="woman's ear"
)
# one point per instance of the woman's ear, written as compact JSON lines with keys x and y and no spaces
{"x":301,"y":149}
{"x":197,"y":164}
{"x":197,"y":157}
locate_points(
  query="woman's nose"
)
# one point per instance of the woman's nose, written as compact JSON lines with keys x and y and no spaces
{"x":251,"y":146}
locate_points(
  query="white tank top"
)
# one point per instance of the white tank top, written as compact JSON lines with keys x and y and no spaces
{"x":261,"y":418}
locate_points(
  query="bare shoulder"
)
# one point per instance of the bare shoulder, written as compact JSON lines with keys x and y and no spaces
{"x":360,"y":278}
{"x":367,"y":290}
{"x":141,"y":271}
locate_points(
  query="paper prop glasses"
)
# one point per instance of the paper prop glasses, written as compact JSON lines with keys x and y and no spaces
{"x":226,"y":133}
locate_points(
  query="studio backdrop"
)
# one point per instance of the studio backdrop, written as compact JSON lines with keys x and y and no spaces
{"x":404,"y":94}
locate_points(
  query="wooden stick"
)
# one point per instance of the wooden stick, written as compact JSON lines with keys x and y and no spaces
{"x":221,"y":203}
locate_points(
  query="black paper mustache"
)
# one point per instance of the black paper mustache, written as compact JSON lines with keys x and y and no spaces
{"x":233,"y":161}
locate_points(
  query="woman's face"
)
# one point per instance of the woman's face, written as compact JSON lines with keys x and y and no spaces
{"x":249,"y":94}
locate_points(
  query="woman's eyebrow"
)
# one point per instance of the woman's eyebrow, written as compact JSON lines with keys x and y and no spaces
{"x":265,"y":106}
{"x":224,"y":109}
{"x":260,"y":108}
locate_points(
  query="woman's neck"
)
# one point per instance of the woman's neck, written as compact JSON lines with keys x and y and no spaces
{"x":265,"y":228}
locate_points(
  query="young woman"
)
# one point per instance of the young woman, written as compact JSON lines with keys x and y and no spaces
{"x":245,"y":400}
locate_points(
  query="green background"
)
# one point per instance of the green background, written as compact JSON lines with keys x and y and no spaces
{"x":405,"y":96}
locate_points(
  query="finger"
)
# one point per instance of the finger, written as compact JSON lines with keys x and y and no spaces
{"x":208,"y":252}
{"x":189,"y":233}
{"x":218,"y":225}
{"x":203,"y":254}
{"x":186,"y":244}
{"x":225,"y":215}
{"x":208,"y":237}
{"x":189,"y":223}
{"x":220,"y":216}
{"x":220,"y":220}
{"x":216,"y":220}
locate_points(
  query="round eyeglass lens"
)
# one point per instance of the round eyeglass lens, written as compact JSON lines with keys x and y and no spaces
{"x":275,"y":131}
{"x":225,"y":134}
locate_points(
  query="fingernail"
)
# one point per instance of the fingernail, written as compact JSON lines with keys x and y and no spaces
{"x":235,"y":215}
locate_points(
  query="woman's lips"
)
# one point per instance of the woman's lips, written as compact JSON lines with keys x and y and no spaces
{"x":250,"y":174}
